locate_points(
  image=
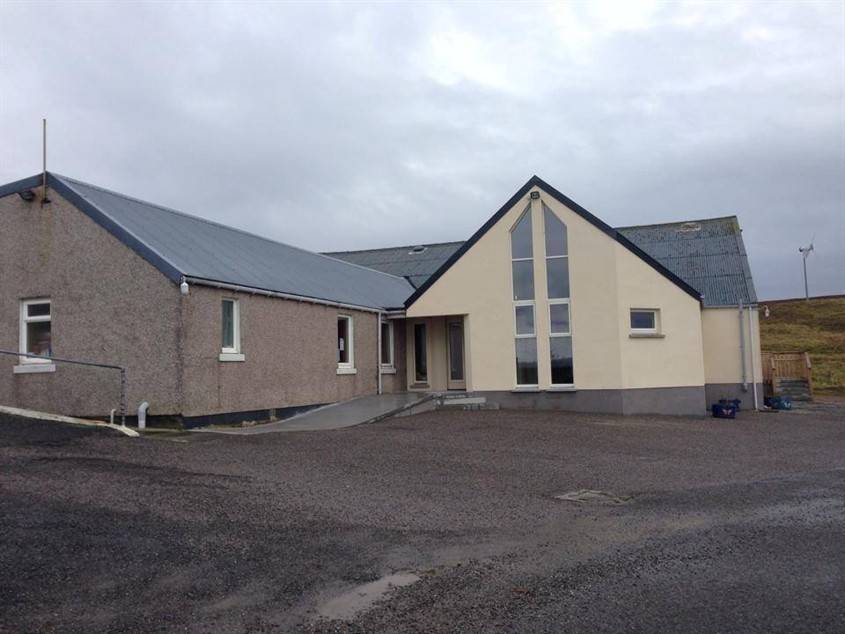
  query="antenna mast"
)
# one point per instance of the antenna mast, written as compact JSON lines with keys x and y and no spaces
{"x":44,"y":199}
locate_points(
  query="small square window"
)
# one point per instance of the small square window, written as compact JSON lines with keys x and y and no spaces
{"x":644,"y":320}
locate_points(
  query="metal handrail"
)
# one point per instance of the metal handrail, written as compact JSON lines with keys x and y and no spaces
{"x":87,"y":363}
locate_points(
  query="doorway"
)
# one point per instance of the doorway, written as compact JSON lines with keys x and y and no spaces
{"x":455,"y":354}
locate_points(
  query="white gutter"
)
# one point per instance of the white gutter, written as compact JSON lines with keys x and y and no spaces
{"x":295,"y":298}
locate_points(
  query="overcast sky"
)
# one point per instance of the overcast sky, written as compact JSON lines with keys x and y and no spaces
{"x":348,"y":126}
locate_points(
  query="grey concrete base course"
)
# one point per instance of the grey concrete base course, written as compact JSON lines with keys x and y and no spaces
{"x":673,"y":401}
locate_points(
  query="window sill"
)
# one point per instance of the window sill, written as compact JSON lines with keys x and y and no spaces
{"x":347,"y":370}
{"x":34,"y":368}
{"x":231,"y":356}
{"x":388,"y":369}
{"x":419,"y":386}
{"x":562,"y":388}
{"x":647,"y":335}
{"x":526,"y":389}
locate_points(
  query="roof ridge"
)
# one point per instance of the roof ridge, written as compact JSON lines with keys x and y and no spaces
{"x":677,"y":222}
{"x":401,"y":246}
{"x":214,"y":223}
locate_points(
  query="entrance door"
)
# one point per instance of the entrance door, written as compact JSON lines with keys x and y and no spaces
{"x":455,"y":354}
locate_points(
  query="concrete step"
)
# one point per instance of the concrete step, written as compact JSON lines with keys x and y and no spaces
{"x":464,"y":401}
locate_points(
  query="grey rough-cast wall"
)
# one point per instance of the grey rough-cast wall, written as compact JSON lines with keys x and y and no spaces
{"x":108,"y":305}
{"x":289,"y":349}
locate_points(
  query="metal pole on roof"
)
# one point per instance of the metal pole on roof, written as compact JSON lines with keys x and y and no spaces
{"x":44,"y":199}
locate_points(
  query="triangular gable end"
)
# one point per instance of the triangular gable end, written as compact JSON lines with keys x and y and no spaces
{"x":536,"y":181}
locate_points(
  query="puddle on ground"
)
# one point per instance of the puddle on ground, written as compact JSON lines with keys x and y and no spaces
{"x":589,"y":495}
{"x":348,"y":604}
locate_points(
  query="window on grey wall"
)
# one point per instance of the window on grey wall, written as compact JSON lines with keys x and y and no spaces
{"x":525,"y":336}
{"x":345,"y":352}
{"x":36,"y":330}
{"x":387,"y":343}
{"x":231,"y":329}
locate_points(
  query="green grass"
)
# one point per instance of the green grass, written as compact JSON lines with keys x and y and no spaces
{"x":817,"y":327}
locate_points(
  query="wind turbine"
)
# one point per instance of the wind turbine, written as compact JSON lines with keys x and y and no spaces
{"x":805,"y":252}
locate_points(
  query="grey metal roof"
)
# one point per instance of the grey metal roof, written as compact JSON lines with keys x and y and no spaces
{"x":180,"y":244}
{"x":709,"y":255}
{"x":415,"y":262}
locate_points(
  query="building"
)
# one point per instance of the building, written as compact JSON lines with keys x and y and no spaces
{"x":545,"y":306}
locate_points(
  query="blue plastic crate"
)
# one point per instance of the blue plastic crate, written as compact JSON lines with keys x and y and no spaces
{"x":726,"y":410}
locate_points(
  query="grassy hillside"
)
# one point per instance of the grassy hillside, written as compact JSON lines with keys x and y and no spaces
{"x":818,"y":327}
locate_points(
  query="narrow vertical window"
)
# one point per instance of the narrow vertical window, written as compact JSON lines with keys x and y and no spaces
{"x":420,"y":361}
{"x":387,"y":343}
{"x":36,"y":330}
{"x":522,"y":258}
{"x":557,"y":284}
{"x":231,"y":329}
{"x":522,"y":265}
{"x":345,"y":350}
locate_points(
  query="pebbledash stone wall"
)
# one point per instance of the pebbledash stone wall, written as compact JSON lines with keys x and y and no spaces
{"x":110,"y":305}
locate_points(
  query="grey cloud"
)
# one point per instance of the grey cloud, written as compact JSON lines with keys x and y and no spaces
{"x":343,"y":126}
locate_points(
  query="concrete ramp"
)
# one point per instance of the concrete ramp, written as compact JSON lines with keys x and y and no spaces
{"x":365,"y":409}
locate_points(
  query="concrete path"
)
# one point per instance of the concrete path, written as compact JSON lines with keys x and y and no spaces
{"x":335,"y":416}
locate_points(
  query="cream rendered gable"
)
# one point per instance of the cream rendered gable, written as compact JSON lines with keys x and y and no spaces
{"x":606,"y":280}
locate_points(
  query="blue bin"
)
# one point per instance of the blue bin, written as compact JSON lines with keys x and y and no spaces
{"x":723,"y":410}
{"x":778,"y":402}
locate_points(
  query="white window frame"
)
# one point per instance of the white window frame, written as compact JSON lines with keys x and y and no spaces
{"x":558,"y":302}
{"x":519,"y":304}
{"x":560,"y":335}
{"x":348,"y":367}
{"x":645,"y":331}
{"x":532,"y":335}
{"x":26,"y":319}
{"x":232,"y":353}
{"x":390,"y":364}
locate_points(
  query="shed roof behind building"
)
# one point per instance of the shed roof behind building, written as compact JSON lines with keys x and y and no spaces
{"x":709,"y":255}
{"x":416,"y":263}
{"x":180,"y":244}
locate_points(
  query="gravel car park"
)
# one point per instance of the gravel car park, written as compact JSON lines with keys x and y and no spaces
{"x":445,"y":521}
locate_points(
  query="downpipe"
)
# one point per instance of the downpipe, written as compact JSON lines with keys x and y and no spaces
{"x":742,"y":347}
{"x":142,"y":415}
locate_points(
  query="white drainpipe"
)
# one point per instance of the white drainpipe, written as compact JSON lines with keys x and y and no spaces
{"x":751,"y":346}
{"x":142,"y":415}
{"x":742,"y":348}
{"x":378,"y":351}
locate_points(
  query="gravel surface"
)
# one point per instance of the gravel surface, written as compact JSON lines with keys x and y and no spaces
{"x":701,"y":525}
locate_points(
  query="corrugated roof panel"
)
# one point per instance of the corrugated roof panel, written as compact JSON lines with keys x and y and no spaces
{"x":709,"y":255}
{"x":204,"y":249}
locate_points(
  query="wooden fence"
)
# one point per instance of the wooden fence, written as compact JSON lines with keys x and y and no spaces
{"x":782,"y":368}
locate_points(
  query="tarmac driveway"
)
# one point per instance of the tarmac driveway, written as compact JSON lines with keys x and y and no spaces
{"x":697,"y":525}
